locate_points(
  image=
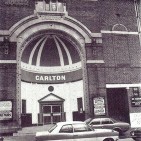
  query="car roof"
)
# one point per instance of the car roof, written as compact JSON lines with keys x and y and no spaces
{"x":102,"y":118}
{"x":69,"y":122}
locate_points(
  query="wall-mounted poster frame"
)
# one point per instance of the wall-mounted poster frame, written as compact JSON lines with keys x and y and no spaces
{"x":6,"y":110}
{"x":99,"y":106}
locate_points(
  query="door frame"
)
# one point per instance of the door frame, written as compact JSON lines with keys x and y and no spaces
{"x":56,"y":101}
{"x":51,"y":114}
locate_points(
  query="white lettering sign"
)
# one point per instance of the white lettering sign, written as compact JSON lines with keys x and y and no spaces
{"x":99,"y":111}
{"x":99,"y":100}
{"x":50,"y":78}
{"x":5,"y":115}
{"x":5,"y":110}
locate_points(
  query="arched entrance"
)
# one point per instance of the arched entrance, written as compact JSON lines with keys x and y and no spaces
{"x":66,"y":28}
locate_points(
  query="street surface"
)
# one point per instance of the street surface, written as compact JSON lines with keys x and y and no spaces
{"x":28,"y":134}
{"x":32,"y":138}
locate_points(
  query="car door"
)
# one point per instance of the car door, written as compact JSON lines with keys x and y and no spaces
{"x":83,"y":132}
{"x":96,"y":123}
{"x":106,"y":123}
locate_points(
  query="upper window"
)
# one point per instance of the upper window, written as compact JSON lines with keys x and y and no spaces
{"x":50,"y":5}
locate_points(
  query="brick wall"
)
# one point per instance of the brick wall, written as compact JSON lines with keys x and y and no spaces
{"x":96,"y":15}
{"x":122,"y":58}
{"x":11,"y":14}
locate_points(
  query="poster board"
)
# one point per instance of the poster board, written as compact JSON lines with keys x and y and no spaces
{"x":5,"y":110}
{"x":99,"y":106}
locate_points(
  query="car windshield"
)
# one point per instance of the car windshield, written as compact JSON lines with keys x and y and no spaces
{"x":114,"y":120}
{"x":52,"y":128}
{"x":88,"y":120}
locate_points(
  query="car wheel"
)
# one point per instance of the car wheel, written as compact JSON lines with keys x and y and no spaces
{"x":108,"y":139}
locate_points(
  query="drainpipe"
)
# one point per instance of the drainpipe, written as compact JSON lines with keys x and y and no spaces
{"x":137,"y":11}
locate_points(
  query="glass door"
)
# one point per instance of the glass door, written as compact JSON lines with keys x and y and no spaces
{"x":51,"y":114}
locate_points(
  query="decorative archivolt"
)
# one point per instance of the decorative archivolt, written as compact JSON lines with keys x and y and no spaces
{"x":35,"y":23}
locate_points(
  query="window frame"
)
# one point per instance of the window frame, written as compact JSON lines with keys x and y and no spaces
{"x":70,"y":127}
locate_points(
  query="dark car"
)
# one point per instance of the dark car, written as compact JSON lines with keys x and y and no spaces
{"x":136,"y":134}
{"x":108,"y":123}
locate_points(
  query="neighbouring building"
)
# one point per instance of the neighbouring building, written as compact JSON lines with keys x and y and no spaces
{"x":66,"y":60}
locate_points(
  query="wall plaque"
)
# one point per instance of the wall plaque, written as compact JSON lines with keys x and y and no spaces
{"x":136,"y":101}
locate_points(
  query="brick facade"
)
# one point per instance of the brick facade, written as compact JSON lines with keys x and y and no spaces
{"x":118,"y":46}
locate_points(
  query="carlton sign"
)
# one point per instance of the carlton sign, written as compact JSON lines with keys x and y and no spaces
{"x":51,"y":78}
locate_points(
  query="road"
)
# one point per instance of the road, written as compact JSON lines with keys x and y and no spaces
{"x":28,"y":134}
{"x":32,"y":138}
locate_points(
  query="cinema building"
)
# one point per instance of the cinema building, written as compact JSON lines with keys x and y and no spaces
{"x":64,"y":60}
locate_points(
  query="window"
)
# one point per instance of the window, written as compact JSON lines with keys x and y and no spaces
{"x":105,"y":121}
{"x":110,"y":121}
{"x":66,"y":129}
{"x":95,"y":122}
{"x":50,"y":5}
{"x":81,"y":128}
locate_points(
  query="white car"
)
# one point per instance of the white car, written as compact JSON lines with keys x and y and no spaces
{"x":76,"y":131}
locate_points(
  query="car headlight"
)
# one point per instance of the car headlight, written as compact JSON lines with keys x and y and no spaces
{"x":132,"y":133}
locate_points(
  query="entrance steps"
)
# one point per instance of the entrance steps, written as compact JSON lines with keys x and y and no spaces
{"x":32,"y":130}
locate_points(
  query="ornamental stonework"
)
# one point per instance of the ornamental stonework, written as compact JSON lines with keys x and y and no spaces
{"x":17,"y":2}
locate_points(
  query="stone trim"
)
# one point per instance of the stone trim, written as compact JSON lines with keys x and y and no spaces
{"x":8,"y":61}
{"x":119,"y":32}
{"x":95,"y":61}
{"x":122,"y":85}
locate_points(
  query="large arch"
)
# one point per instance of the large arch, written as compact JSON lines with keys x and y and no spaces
{"x":25,"y":29}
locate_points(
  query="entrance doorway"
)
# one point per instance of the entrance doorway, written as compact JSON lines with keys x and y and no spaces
{"x":118,"y":106}
{"x":51,"y":113}
{"x":51,"y":109}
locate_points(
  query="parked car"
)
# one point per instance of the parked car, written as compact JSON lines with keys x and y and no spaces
{"x":74,"y":131}
{"x":136,"y":134}
{"x":108,"y":123}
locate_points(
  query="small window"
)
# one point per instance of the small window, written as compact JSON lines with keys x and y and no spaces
{"x":81,"y":128}
{"x":95,"y":122}
{"x":66,"y":129}
{"x":105,"y":121}
{"x":110,"y":121}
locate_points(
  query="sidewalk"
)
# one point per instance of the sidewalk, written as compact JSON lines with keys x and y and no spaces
{"x":32,"y":130}
{"x":27,"y":133}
